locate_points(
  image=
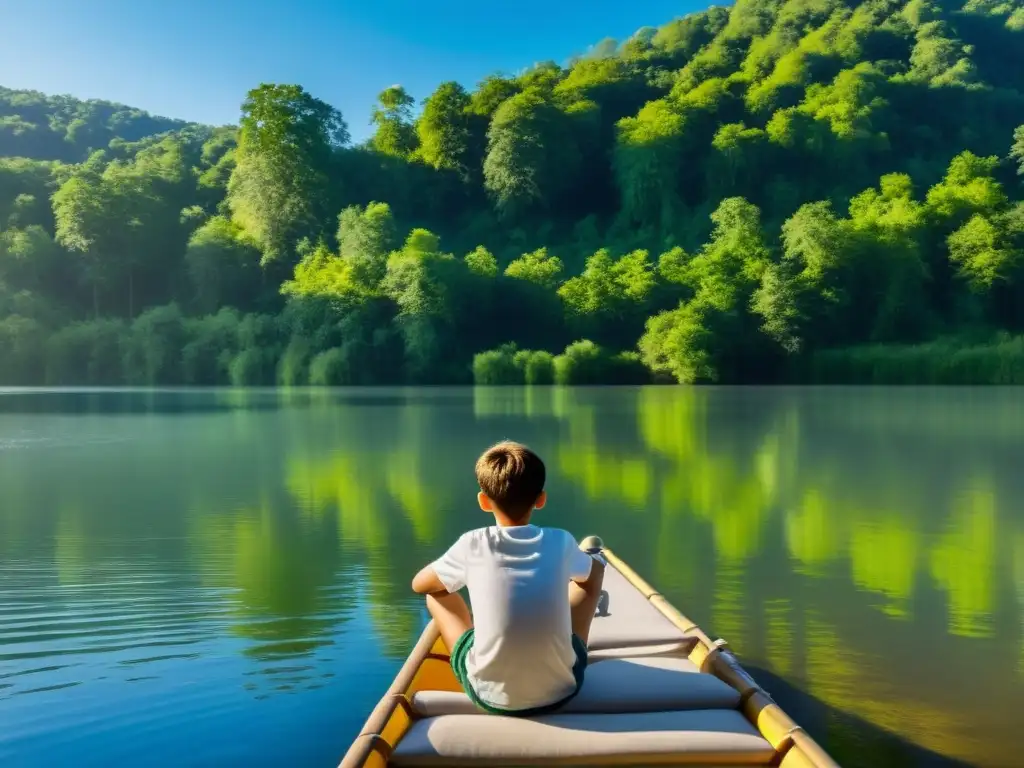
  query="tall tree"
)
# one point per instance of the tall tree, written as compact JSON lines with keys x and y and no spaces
{"x":609,"y":301}
{"x":395,"y":133}
{"x":83,"y":207}
{"x":365,"y":238}
{"x":537,"y":267}
{"x":444,"y":130}
{"x":31,"y":260}
{"x":421,"y":280}
{"x":984,"y":252}
{"x":223,"y":269}
{"x":648,"y":152}
{"x":529,"y":158}
{"x":886,"y":227}
{"x":1017,"y":151}
{"x":280,"y":191}
{"x":712,"y":337}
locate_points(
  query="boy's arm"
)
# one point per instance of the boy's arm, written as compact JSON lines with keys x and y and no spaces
{"x":595,"y":571}
{"x":446,"y":574}
{"x":426,"y":581}
{"x":583,"y":567}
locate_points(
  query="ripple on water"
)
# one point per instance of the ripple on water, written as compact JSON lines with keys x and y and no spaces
{"x":115,"y":618}
{"x":47,"y":688}
{"x":40,"y":442}
{"x":34,"y":671}
{"x":164,"y":657}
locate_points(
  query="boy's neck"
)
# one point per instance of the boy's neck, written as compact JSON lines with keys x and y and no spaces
{"x":504,"y":521}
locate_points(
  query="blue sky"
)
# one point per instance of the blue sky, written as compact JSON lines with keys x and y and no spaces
{"x":196,"y":59}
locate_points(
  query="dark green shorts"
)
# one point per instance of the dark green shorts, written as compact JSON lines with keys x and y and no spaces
{"x":465,"y":642}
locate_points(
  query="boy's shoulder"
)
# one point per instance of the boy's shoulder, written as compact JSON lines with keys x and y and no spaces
{"x":550,"y":536}
{"x":475,"y":533}
{"x":489,"y":531}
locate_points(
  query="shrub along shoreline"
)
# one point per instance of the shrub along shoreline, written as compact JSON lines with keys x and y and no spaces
{"x":582,"y":362}
{"x":942,"y":362}
{"x":165,"y":348}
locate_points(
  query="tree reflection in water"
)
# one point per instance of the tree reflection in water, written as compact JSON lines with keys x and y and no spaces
{"x":863,"y":549}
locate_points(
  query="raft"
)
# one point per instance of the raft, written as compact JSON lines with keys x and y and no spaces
{"x":658,"y":691}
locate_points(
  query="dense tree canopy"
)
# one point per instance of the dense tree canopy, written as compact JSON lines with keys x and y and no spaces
{"x":730,"y":197}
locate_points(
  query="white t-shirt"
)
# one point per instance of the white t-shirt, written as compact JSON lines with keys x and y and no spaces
{"x":518,"y":579}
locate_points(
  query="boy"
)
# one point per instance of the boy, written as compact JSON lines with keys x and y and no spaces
{"x":534,"y":594}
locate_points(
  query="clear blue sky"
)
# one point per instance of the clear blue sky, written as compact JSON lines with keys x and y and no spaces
{"x":196,"y":59}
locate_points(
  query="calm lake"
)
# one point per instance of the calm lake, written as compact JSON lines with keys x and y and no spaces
{"x":222,"y":577}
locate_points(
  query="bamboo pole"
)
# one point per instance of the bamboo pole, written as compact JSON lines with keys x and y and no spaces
{"x":813,"y":750}
{"x":369,"y":739}
{"x":714,"y":657}
{"x":686,"y":625}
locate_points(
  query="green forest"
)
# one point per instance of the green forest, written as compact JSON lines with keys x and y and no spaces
{"x":776,"y":191}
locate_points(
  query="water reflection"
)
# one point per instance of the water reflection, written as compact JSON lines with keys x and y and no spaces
{"x":855,"y":546}
{"x":845,"y":543}
{"x":1018,"y":580}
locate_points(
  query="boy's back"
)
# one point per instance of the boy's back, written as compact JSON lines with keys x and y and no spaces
{"x":517,"y":577}
{"x":523,"y":651}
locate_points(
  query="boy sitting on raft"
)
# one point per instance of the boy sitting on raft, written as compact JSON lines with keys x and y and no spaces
{"x":534,"y":594}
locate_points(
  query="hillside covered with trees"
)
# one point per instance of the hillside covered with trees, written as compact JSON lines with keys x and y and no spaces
{"x":778,"y":190}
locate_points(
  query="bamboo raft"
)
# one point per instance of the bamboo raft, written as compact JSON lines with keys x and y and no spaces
{"x":658,"y":691}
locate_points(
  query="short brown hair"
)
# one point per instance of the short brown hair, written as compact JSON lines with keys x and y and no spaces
{"x":512,"y":476}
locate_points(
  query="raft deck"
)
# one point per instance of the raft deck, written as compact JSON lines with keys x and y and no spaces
{"x":658,"y":691}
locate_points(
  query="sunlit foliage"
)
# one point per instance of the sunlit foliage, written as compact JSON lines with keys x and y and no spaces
{"x":726,"y":197}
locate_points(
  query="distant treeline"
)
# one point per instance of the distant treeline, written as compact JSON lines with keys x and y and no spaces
{"x":775,"y":191}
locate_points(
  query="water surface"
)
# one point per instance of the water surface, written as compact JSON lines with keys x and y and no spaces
{"x":218,"y":577}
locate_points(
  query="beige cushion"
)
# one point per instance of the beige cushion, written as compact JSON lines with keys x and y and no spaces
{"x":723,"y":737}
{"x":631,"y":619}
{"x":598,"y":654}
{"x":617,"y":685}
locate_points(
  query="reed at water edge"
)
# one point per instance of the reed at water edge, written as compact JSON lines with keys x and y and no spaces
{"x":948,"y":361}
